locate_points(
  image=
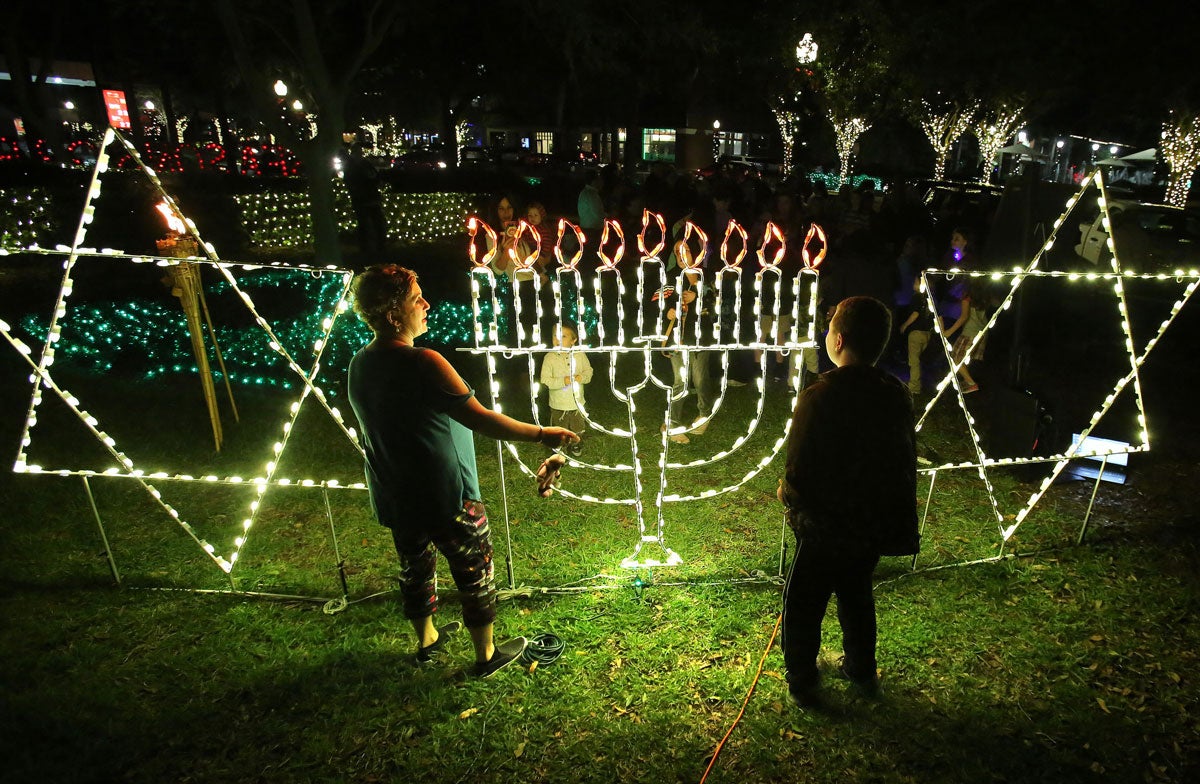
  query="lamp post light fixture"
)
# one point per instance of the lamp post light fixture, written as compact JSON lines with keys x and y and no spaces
{"x":297,"y":105}
{"x":280,"y":88}
{"x":806,"y":50}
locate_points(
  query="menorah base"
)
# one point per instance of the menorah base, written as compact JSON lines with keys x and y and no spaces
{"x":670,"y":557}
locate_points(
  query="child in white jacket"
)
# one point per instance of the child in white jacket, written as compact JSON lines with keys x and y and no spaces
{"x":566,"y":387}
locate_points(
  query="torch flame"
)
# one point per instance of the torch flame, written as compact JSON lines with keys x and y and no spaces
{"x":174,"y":222}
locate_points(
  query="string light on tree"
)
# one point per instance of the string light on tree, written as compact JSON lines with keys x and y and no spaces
{"x":942,"y":129}
{"x":993,"y":131}
{"x":848,"y":130}
{"x":789,"y":124}
{"x":1181,"y":151}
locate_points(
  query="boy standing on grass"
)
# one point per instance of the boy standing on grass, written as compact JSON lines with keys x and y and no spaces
{"x":565,"y":373}
{"x":850,"y":494}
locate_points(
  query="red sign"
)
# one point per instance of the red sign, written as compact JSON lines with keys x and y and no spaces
{"x":118,"y":112}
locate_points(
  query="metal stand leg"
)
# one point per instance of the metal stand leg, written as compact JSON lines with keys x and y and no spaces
{"x":335,"y":605}
{"x":112,"y":563}
{"x":512,"y":583}
{"x":1088,"y":515}
{"x":783,"y":529}
{"x":925,"y":515}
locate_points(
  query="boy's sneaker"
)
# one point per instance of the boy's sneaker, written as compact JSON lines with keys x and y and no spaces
{"x":504,"y":654}
{"x":427,"y":654}
{"x":868,"y":688}
{"x":806,"y":699}
{"x":699,"y":429}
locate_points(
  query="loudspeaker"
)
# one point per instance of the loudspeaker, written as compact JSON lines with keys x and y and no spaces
{"x":1016,"y":423}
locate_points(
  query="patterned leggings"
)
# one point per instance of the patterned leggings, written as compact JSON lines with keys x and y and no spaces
{"x":467,"y":546}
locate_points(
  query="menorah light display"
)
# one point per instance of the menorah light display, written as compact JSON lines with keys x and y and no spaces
{"x":630,"y":331}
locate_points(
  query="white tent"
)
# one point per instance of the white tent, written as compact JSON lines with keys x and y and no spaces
{"x":1145,"y":156}
{"x":1114,"y":162}
{"x":1017,"y":149}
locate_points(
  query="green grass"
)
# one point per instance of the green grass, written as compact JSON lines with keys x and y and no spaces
{"x":1073,"y":664}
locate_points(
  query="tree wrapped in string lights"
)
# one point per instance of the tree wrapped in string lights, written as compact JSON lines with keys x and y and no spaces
{"x":1181,"y":151}
{"x":847,"y":129}
{"x":942,"y":129}
{"x":993,"y":130}
{"x":789,"y":125}
{"x":630,"y":341}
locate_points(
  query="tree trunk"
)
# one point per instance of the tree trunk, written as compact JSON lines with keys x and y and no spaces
{"x":318,"y":168}
{"x":327,"y":246}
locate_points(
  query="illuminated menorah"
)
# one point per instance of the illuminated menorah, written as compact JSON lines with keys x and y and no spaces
{"x":526,"y":338}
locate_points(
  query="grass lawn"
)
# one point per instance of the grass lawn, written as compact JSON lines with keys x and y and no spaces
{"x":1067,"y":663}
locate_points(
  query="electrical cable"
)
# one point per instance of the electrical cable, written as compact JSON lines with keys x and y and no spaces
{"x":745,"y":702}
{"x":543,"y":648}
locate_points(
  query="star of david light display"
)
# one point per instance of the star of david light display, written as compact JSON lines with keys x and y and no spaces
{"x":1082,"y":447}
{"x":223,"y":554}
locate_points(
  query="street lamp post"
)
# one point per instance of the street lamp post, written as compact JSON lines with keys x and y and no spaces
{"x":716,"y":139}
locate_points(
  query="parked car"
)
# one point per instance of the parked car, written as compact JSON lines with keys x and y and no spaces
{"x":941,"y":194}
{"x":476,"y":156}
{"x":1149,"y":237}
{"x":734,"y":170}
{"x":422,"y":158}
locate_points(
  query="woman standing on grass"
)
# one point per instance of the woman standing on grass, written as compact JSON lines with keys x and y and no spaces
{"x":417,"y":417}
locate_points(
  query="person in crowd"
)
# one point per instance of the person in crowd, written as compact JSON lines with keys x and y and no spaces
{"x":790,"y":220}
{"x":362,"y":182}
{"x":849,"y":489}
{"x":961,"y":253}
{"x":504,"y":220}
{"x":954,"y":308}
{"x":590,"y":208}
{"x":915,"y":329}
{"x":537,"y":217}
{"x":909,"y":263}
{"x":690,"y":323}
{"x":417,"y":416}
{"x":565,"y":374}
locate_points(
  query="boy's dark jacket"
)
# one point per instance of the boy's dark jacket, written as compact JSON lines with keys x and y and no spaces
{"x":851,"y":476}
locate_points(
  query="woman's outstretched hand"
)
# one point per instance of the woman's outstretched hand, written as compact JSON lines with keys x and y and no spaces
{"x":557,"y":437}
